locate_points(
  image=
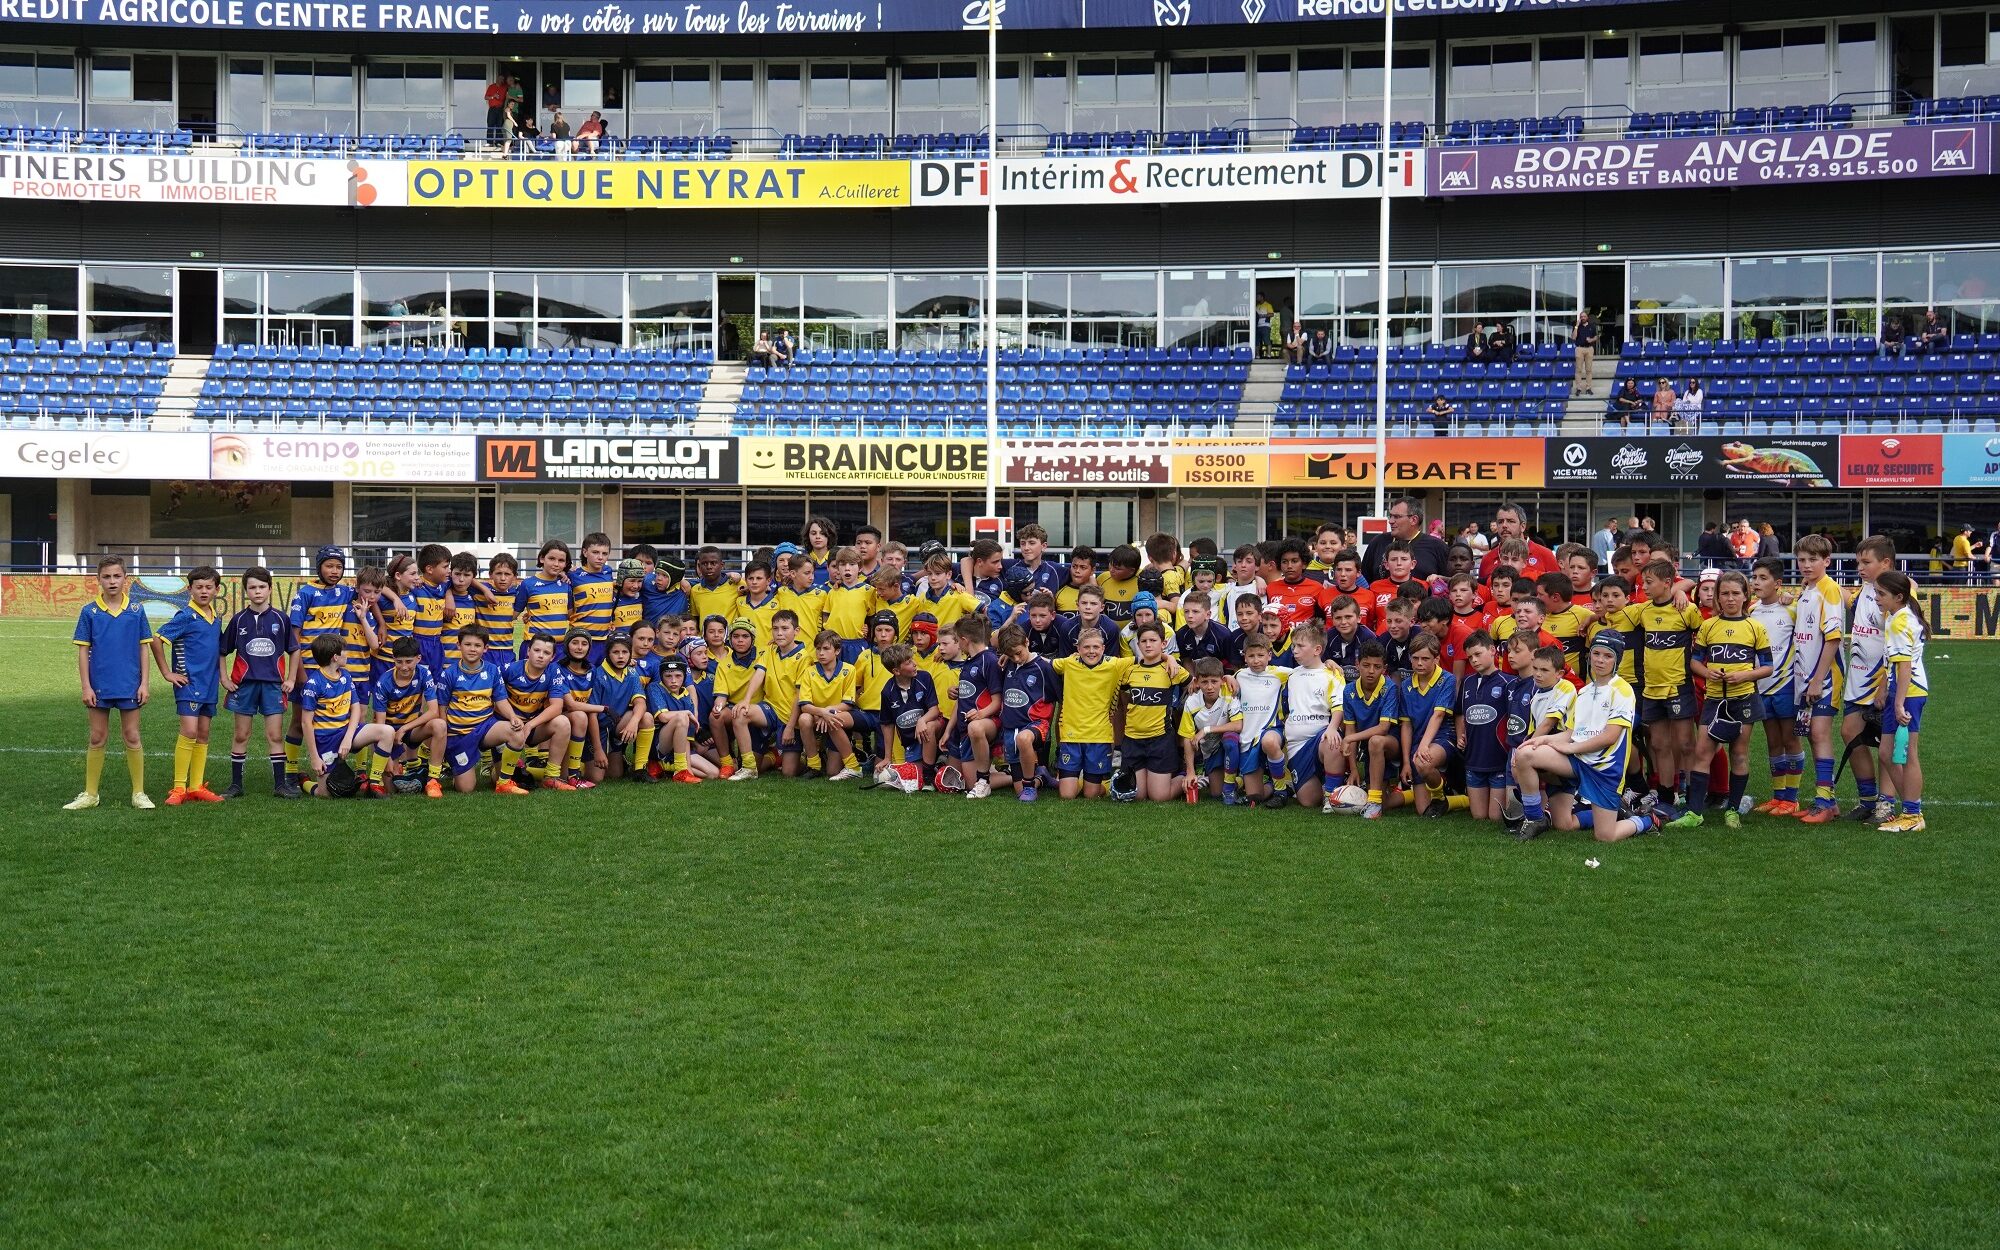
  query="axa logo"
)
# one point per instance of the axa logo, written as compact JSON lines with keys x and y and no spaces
{"x":1460,"y":171}
{"x":1168,"y":13}
{"x":1952,"y":149}
{"x":511,"y":458}
{"x":980,"y":13}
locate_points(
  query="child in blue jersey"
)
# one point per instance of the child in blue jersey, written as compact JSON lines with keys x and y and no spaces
{"x":333,"y":715}
{"x":615,"y":690}
{"x":195,"y":637}
{"x":1485,"y":698}
{"x":591,"y":590}
{"x":662,"y":590}
{"x":978,"y":699}
{"x":1425,"y":704}
{"x":260,"y":637}
{"x":534,"y":688}
{"x":1345,"y":636}
{"x":476,"y":712}
{"x":1368,"y":718}
{"x":574,"y":675}
{"x":1027,"y":708}
{"x":112,"y":635}
{"x":319,"y":608}
{"x":910,"y":708}
{"x":670,"y":705}
{"x":406,"y":705}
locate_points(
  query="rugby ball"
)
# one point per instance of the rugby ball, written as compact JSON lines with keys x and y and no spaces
{"x":1351,"y":796}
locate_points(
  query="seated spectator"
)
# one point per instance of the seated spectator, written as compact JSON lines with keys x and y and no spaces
{"x":1320,"y":350}
{"x":1628,"y":402}
{"x":1687,"y":408}
{"x":1440,"y":412}
{"x":1295,"y":344}
{"x":525,"y":135}
{"x":1663,"y":402}
{"x":1892,"y":336}
{"x":559,"y":131}
{"x":1500,"y":345}
{"x":590,"y":134}
{"x":765,"y":352}
{"x":1934,"y":336}
{"x":1475,"y":343}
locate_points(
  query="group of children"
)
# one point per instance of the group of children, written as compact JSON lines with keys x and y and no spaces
{"x":1275,"y":676}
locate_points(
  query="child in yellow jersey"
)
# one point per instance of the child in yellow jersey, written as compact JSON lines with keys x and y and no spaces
{"x":847,"y":604}
{"x":460,"y":607}
{"x":888,"y":596}
{"x":759,"y":602}
{"x":802,"y":598}
{"x":713,"y":592}
{"x":935,"y":649}
{"x":1906,"y":692}
{"x":823,"y":713}
{"x":870,"y":675}
{"x":361,"y":631}
{"x":944,"y":599}
{"x":496,"y":610}
{"x":1732,"y":654}
{"x":1561,"y":616}
{"x":1613,"y":596}
{"x":734,"y":672}
{"x":1082,"y":572}
{"x":774,"y":691}
{"x":1149,"y":693}
{"x":1666,"y":628}
{"x":1120,"y":582}
{"x":628,"y":596}
{"x":334,"y":714}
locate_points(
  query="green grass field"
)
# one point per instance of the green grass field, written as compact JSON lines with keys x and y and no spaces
{"x":773,"y":1015}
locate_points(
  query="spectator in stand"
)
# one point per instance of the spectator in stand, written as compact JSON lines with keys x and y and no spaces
{"x":1320,"y":350}
{"x":1983,"y":553}
{"x":1440,"y":413}
{"x":496,"y":110}
{"x":1663,"y":403}
{"x":526,"y":135}
{"x":1406,"y":521}
{"x":1712,"y":549}
{"x":1510,"y":521}
{"x":1500,"y":345}
{"x":590,"y":134}
{"x":551,"y":96}
{"x":1687,"y":409}
{"x":1604,"y":542}
{"x":1935,"y":335}
{"x":1767,"y":542}
{"x":1295,"y":344}
{"x":1892,"y":336}
{"x":517,"y":102}
{"x":1743,"y":542}
{"x":784,"y":350}
{"x":765,"y":351}
{"x":1475,"y":344}
{"x":1474,"y":539}
{"x":559,"y":131}
{"x":1628,"y":403}
{"x":1961,"y":553}
{"x":1586,"y":354}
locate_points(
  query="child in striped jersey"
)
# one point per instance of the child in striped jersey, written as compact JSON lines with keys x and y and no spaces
{"x":1781,"y":738}
{"x":1260,"y":688}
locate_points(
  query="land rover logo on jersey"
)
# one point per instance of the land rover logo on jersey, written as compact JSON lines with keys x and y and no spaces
{"x":260,"y":648}
{"x":909,"y":718}
{"x":1017,"y":698}
{"x":966,"y":692}
{"x":1517,"y":725}
{"x":1481,"y":714}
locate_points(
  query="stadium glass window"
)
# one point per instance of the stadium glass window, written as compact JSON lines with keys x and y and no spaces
{"x":784,"y":98}
{"x":403,"y":97}
{"x":1322,"y":86}
{"x":656,"y":519}
{"x":310,"y":97}
{"x":1966,"y":289}
{"x":1854,"y":278}
{"x":38,"y":301}
{"x":939,"y":311}
{"x":1343,"y":302}
{"x":246,"y":93}
{"x":1302,"y":513}
{"x":1856,"y":62}
{"x":1680,"y":72}
{"x":588,"y":85}
{"x":1562,"y":76}
{"x":1208,"y":307}
{"x":845,"y":99}
{"x":468,"y":96}
{"x":1409,"y":85}
{"x":404,"y":308}
{"x":1911,"y":519}
{"x":672,"y":310}
{"x":1611,"y":72}
{"x":1115,"y":93}
{"x":673,"y":100}
{"x":1777,"y":66}
{"x":1271,"y":90}
{"x":939,"y":97}
{"x":1672,"y":300}
{"x":1472,"y":294}
{"x":917,"y":519}
{"x":1906,"y":278}
{"x":1207,"y":91}
{"x":1775,"y":296}
{"x":1048,"y":95}
{"x":1491,"y":80}
{"x":38,"y":88}
{"x":1968,"y":54}
{"x":1115,"y":308}
{"x":134,"y":91}
{"x":735,"y":97}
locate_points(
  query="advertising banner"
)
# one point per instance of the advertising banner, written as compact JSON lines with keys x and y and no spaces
{"x":607,"y":458}
{"x":1915,"y":460}
{"x":340,"y":458}
{"x":864,"y":461}
{"x":1416,"y":464}
{"x":659,"y":184}
{"x":1221,"y":462}
{"x":1737,"y":464}
{"x":1171,"y":179}
{"x":214,"y":178}
{"x":729,"y":17}
{"x":1050,"y":462}
{"x":1971,"y":460}
{"x":1714,"y":161}
{"x":103,"y":455}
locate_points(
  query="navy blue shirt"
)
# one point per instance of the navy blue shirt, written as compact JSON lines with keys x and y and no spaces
{"x":1114,"y":643}
{"x":262,"y":639}
{"x":1048,"y":575}
{"x":1027,"y":695}
{"x":1483,"y":706}
{"x":1344,"y":654}
{"x":904,"y":707}
{"x":1217,"y":642}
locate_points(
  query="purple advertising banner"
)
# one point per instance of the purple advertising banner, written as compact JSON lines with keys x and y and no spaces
{"x":1749,"y":160}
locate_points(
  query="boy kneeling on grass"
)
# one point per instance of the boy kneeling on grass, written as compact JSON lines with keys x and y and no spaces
{"x":1592,"y":753}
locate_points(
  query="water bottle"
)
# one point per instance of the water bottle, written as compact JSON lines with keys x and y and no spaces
{"x":1900,"y":753}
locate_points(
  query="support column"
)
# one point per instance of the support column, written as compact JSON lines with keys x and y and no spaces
{"x":71,"y":526}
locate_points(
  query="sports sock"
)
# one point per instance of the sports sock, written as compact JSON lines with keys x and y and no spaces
{"x":1374,"y":796}
{"x":1531,"y":806}
{"x":1457,"y":803}
{"x":813,"y":762}
{"x":183,"y":756}
{"x":849,"y":761}
{"x":510,"y":763}
{"x":1646,"y":822}
{"x":642,"y":746}
{"x":747,"y":761}
{"x":1738,"y":783}
{"x":93,"y":769}
{"x":378,"y":764}
{"x":424,"y":756}
{"x":1277,"y":770}
{"x":198,"y":767}
{"x":135,"y":763}
{"x":680,"y":762}
{"x":1335,"y":781}
{"x":1913,"y":807}
{"x":573,"y":757}
{"x":1697,"y":796}
{"x":237,"y":760}
{"x":278,"y":770}
{"x":295,"y":753}
{"x":1665,"y":794}
{"x":1822,"y":780}
{"x":1865,"y":788}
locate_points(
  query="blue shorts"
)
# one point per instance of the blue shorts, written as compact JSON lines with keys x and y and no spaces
{"x":1599,"y":786}
{"x":960,"y":748}
{"x":864,"y":722}
{"x":1012,"y":749}
{"x":118,"y":705}
{"x":1152,"y":755}
{"x":1487,"y":779}
{"x":1217,"y":755}
{"x":364,"y":691}
{"x":462,"y":751}
{"x":1304,"y":761}
{"x":1250,"y":756}
{"x":852,"y":649}
{"x":1822,"y":706}
{"x":1781,"y":704}
{"x":256,"y":698}
{"x":1861,"y":707}
{"x":1679,"y":706}
{"x":1914,"y":705}
{"x":430,"y":651}
{"x":1742,"y":712}
{"x":189,"y":707}
{"x":1089,"y":760}
{"x":500,"y":655}
{"x":327,"y":741}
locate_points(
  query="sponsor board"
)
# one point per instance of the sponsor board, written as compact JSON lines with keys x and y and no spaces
{"x":253,"y":457}
{"x":212,"y":177}
{"x":1773,"y":463}
{"x":1170,"y":179}
{"x":1892,"y":460}
{"x":729,"y":17}
{"x":606,"y":458}
{"x":1747,"y":160}
{"x":1221,"y":462}
{"x":1416,"y":464}
{"x":864,"y":461}
{"x":85,"y":454}
{"x":1971,"y":460}
{"x":1052,"y":462}
{"x":659,"y":184}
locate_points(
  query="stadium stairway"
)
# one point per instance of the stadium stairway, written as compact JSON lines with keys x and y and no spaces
{"x":184,"y":382}
{"x":720,"y":397}
{"x":1584,"y":413}
{"x":1261,"y":393}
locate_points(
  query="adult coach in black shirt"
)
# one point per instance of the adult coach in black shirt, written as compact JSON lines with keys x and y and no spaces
{"x":1406,"y":520}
